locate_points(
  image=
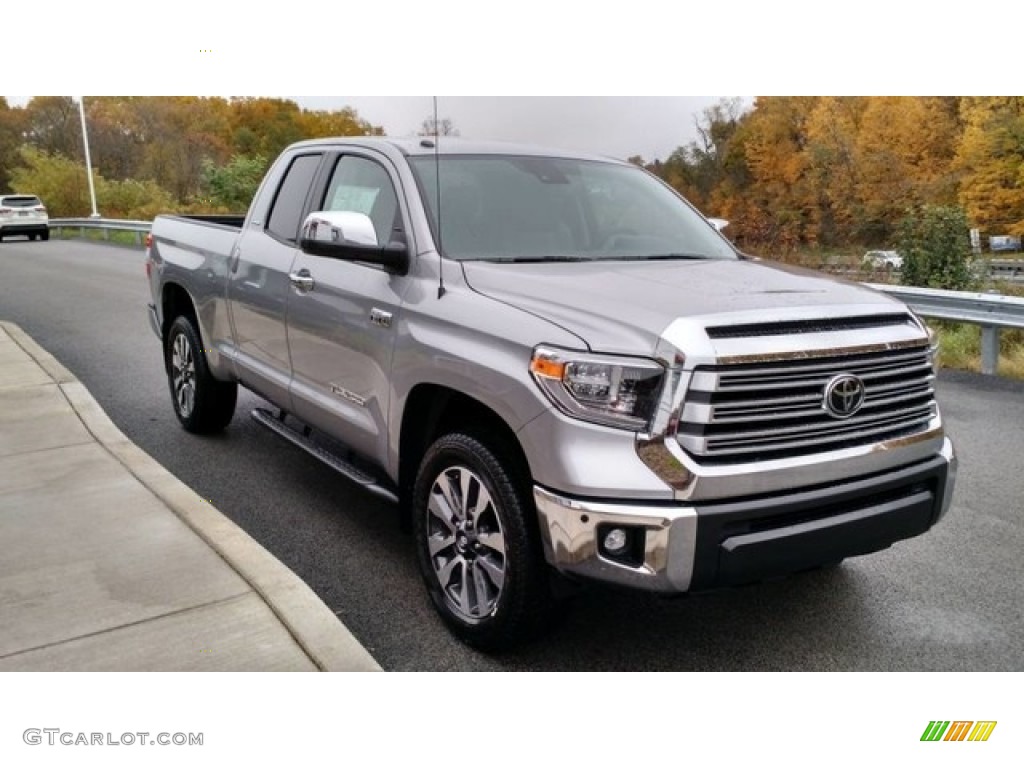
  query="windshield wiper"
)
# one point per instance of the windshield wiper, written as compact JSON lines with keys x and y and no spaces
{"x":537,"y":259}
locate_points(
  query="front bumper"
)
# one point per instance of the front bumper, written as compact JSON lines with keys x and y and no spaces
{"x":682,"y":547}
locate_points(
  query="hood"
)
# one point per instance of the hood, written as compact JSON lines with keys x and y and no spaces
{"x":623,"y":307}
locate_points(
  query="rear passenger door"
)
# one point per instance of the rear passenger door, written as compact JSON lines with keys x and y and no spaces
{"x":341,"y":330}
{"x":258,"y":283}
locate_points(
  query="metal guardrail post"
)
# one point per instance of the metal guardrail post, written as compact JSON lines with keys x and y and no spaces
{"x":990,"y":345}
{"x":989,"y":349}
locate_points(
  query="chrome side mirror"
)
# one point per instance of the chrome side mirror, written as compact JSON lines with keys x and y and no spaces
{"x":350,"y":236}
{"x":339,"y":228}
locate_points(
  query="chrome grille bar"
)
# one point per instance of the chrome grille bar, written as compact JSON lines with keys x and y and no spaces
{"x":776,"y":408}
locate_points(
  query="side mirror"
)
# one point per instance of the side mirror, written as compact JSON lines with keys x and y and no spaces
{"x":350,"y":236}
{"x":718,"y":224}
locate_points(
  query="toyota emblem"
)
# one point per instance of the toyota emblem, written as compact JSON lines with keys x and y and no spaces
{"x":844,"y":396}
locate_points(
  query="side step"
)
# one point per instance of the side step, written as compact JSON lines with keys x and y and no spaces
{"x":335,"y":462}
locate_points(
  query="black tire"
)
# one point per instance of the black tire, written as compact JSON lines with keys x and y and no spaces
{"x":32,"y":237}
{"x":44,"y":236}
{"x":202,"y":404}
{"x":480,"y":611}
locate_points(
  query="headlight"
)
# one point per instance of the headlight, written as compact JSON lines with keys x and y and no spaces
{"x":615,"y":391}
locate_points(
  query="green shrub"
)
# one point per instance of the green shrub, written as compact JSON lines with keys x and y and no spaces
{"x":934,"y":241}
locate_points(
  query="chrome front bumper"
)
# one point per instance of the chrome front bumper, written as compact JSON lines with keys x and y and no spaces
{"x":721,"y":543}
{"x":569,"y":528}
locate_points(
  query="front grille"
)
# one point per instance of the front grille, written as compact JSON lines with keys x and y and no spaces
{"x":760,"y":411}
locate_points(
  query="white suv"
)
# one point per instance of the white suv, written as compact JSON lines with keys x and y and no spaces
{"x":883,"y":260}
{"x":23,"y":215}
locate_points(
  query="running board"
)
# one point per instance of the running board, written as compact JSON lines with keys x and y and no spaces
{"x":338,"y":464}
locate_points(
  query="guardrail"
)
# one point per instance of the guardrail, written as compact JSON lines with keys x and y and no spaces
{"x":139,"y":228}
{"x":1008,"y":270}
{"x":992,"y":311}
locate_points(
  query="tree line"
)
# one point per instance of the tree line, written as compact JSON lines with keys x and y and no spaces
{"x":155,"y":153}
{"x":793,"y":172}
{"x":788,"y":172}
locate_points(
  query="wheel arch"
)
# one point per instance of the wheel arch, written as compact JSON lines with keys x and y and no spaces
{"x":432,"y":410}
{"x":174,"y":301}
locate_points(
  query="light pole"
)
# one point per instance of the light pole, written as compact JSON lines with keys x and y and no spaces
{"x":88,"y":161}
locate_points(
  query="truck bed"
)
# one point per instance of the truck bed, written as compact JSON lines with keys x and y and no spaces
{"x":194,"y":240}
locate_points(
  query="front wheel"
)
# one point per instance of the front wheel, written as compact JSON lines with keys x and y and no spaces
{"x":477,"y":543}
{"x":202,"y":404}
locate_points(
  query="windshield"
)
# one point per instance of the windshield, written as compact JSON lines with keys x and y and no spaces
{"x":524,"y":208}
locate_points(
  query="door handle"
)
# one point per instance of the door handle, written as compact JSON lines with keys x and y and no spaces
{"x":302,"y":280}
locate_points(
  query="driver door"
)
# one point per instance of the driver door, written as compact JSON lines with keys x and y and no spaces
{"x":341,"y":330}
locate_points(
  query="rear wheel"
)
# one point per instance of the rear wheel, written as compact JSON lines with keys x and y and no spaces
{"x":32,"y":236}
{"x":45,"y":235}
{"x":477,"y":543}
{"x":202,"y":403}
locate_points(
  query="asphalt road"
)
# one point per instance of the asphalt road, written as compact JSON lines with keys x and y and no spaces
{"x":949,"y":600}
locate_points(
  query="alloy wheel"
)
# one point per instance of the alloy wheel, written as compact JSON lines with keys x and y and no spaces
{"x":466,"y":543}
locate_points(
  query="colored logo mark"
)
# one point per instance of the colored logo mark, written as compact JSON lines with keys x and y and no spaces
{"x":958,"y":730}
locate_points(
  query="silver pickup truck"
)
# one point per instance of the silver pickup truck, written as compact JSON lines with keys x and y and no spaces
{"x":557,"y":368}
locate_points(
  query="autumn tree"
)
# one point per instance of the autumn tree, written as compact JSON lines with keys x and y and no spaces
{"x":11,"y":129}
{"x":780,"y":196}
{"x":176,"y":151}
{"x":264,"y":126}
{"x":697,"y":169}
{"x":904,"y":151}
{"x":316,"y":124}
{"x":52,"y":124}
{"x":990,"y":158}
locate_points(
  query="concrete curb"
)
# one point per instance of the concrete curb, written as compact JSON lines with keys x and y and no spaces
{"x":320,"y":633}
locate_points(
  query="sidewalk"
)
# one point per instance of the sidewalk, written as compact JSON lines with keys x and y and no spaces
{"x":109,"y":562}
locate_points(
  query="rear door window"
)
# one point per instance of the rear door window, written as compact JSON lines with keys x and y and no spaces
{"x":291,"y":197}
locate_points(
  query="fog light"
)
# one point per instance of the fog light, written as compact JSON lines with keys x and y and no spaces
{"x":615,"y":541}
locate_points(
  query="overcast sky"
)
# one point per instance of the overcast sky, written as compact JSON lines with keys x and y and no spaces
{"x":649,"y":126}
{"x":618,"y":126}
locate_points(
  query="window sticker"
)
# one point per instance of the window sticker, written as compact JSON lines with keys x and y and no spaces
{"x":358,"y":199}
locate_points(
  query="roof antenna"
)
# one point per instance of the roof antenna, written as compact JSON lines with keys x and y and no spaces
{"x":437,"y":181}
